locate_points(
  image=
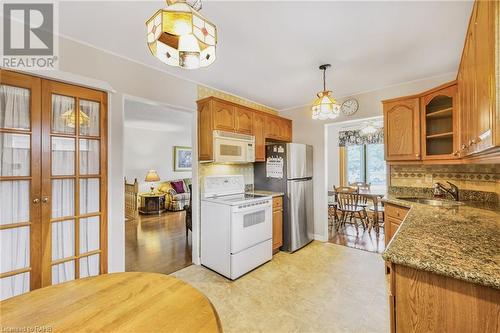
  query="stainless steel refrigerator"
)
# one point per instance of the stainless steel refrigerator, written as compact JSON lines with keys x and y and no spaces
{"x":289,"y":169}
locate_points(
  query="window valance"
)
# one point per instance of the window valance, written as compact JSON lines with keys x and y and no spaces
{"x":353,"y":138}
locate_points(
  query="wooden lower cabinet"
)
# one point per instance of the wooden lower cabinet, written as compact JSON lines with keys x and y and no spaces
{"x":394,"y":216}
{"x":422,"y":301}
{"x":277,"y":223}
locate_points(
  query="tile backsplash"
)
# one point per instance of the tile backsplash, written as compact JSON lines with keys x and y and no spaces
{"x":212,"y":169}
{"x":472,"y":177}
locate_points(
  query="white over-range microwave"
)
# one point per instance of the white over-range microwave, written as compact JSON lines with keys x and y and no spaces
{"x":233,"y":147}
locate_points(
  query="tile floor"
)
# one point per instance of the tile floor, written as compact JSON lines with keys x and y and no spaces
{"x":321,"y":288}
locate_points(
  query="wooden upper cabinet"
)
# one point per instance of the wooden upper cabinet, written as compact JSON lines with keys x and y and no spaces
{"x":244,"y":120}
{"x":205,"y":131}
{"x":287,"y":130}
{"x":484,"y":40}
{"x":402,"y":129}
{"x":224,"y":116}
{"x":273,"y":128}
{"x":439,"y":122}
{"x":259,"y":130}
{"x":217,"y":114}
{"x":478,"y":86}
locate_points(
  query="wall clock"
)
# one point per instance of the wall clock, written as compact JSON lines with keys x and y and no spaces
{"x":349,"y":107}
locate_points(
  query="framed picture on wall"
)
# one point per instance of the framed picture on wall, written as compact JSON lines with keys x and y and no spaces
{"x":182,"y":158}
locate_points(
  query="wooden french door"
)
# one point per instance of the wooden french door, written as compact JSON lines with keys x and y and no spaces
{"x":74,"y":235}
{"x":20,"y":224}
{"x":53,"y":139}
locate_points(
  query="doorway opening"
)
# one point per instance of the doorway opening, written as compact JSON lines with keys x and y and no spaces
{"x":356,"y":172}
{"x":157,"y":166}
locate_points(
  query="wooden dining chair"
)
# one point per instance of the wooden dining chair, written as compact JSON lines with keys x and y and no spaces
{"x":333,"y":205}
{"x":348,"y":200}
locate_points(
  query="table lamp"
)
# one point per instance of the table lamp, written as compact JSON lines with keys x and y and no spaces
{"x":151,"y":177}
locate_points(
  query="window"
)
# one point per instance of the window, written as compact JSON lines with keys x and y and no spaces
{"x":365,"y":163}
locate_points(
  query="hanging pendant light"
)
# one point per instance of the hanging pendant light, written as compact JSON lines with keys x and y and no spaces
{"x":69,"y":119}
{"x":180,"y":36}
{"x":368,"y":129}
{"x":325,"y":106}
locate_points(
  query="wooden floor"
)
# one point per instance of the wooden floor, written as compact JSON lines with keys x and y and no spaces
{"x":363,"y":240}
{"x":157,"y":243}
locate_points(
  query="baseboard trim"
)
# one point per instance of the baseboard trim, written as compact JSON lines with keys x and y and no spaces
{"x":321,"y":238}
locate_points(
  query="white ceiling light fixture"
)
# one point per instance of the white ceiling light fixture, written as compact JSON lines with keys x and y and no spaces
{"x":180,"y":36}
{"x":368,"y":129}
{"x":325,"y":106}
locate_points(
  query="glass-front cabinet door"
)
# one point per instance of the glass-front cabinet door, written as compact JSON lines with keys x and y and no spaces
{"x":20,"y":224}
{"x":74,"y":182}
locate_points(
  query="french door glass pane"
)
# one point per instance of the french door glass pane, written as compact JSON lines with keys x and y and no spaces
{"x":89,"y":234}
{"x":15,"y":249}
{"x":63,"y":272}
{"x":14,"y":107}
{"x":355,"y":166}
{"x":89,"y":157}
{"x":375,"y":164}
{"x":15,"y":201}
{"x":63,"y":197}
{"x":63,"y":156}
{"x":63,"y":239}
{"x":89,"y":195}
{"x":89,"y":114}
{"x":89,"y":266}
{"x":14,"y":285}
{"x":14,"y":154}
{"x":63,"y":114}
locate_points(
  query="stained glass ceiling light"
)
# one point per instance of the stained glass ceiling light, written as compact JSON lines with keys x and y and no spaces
{"x":69,"y":118}
{"x":325,"y":106}
{"x":180,"y":36}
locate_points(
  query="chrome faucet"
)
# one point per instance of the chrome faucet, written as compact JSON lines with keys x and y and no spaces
{"x":453,"y":190}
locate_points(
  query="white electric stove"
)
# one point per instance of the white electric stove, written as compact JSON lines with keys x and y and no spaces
{"x":236,"y":228}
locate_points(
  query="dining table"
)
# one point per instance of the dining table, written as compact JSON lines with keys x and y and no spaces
{"x":118,"y":302}
{"x":375,"y":195}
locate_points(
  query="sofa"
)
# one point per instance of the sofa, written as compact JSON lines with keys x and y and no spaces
{"x":177,"y":193}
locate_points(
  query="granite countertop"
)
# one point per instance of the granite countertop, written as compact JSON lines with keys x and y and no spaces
{"x":270,"y":193}
{"x":461,"y":242}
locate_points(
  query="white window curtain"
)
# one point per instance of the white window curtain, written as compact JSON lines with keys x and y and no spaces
{"x":15,"y":194}
{"x":62,"y":109}
{"x":91,"y":110}
{"x":15,"y":106}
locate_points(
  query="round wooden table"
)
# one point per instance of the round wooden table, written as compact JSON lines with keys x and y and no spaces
{"x":119,"y":302}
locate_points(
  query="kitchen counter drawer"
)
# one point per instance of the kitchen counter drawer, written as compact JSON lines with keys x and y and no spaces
{"x":396,"y":212}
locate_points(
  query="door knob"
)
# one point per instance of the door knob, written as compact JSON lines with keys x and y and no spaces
{"x":45,"y":199}
{"x":36,"y":200}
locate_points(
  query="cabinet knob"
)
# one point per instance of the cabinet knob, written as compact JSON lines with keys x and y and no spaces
{"x":45,"y":199}
{"x":36,"y":201}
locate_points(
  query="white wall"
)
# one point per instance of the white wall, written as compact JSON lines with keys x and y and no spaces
{"x":128,"y":79}
{"x":313,"y":132}
{"x":150,"y":134}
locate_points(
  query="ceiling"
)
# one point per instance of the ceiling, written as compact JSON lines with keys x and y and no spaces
{"x":156,"y":117}
{"x":269,"y":51}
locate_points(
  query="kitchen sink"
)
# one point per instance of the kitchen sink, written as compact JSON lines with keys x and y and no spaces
{"x":433,"y":202}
